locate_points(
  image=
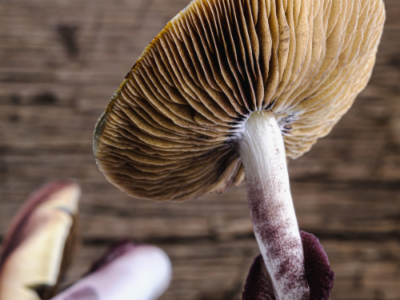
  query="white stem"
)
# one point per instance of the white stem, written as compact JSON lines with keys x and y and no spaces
{"x":142,"y":273}
{"x":271,"y":207}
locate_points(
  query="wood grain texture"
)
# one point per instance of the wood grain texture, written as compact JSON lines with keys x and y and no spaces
{"x":60,"y":62}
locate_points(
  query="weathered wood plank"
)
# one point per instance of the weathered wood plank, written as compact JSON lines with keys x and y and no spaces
{"x":60,"y":62}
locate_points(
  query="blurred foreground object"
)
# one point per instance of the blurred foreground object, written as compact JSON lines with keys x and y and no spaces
{"x":39,"y":246}
{"x":40,"y":243}
{"x":126,"y":272}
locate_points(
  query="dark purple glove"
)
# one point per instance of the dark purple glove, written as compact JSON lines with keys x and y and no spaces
{"x":319,"y":275}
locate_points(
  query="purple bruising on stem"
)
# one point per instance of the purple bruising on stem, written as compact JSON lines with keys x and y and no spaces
{"x":319,"y":275}
{"x":273,"y":231}
{"x":271,"y":208}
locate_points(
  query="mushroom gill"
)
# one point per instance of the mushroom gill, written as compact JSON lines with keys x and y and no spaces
{"x":170,"y":131}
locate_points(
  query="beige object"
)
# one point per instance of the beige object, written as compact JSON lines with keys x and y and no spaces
{"x":39,"y":243}
{"x":170,"y":131}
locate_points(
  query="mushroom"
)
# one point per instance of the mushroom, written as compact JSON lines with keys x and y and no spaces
{"x":39,"y":246}
{"x":40,"y":243}
{"x":225,"y":94}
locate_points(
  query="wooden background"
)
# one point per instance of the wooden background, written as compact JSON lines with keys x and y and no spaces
{"x":61,"y":60}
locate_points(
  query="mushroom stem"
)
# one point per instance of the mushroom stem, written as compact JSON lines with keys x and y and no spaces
{"x":262,"y":150}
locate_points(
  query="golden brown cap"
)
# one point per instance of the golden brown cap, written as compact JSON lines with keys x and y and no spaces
{"x":170,"y":130}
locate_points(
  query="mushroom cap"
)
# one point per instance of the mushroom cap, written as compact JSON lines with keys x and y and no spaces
{"x":170,"y":130}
